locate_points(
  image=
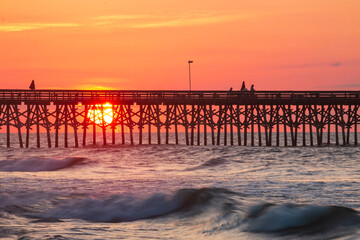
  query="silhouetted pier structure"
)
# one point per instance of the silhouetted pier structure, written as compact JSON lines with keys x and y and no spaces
{"x":287,"y":118}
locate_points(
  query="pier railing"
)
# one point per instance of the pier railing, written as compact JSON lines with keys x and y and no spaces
{"x":189,"y":97}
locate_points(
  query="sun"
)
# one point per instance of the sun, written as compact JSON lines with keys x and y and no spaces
{"x":101,"y":114}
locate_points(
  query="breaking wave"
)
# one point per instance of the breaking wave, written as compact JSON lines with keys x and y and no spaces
{"x":299,"y":218}
{"x":36,"y":164}
{"x":122,"y":208}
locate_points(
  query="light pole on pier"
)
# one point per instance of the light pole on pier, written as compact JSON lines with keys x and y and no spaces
{"x":190,"y":61}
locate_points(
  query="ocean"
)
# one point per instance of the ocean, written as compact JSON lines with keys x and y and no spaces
{"x":179,"y":192}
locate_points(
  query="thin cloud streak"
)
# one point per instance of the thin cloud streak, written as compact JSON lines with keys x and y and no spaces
{"x":158,"y":21}
{"x":187,"y":22}
{"x":18,"y":27}
{"x":310,"y":65}
{"x":123,"y":17}
{"x":134,"y":21}
{"x":347,"y":86}
{"x":350,"y":85}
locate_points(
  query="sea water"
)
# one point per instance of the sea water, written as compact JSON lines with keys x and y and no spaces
{"x":179,"y":192}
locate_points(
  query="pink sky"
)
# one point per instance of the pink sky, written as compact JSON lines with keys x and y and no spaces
{"x":140,"y":45}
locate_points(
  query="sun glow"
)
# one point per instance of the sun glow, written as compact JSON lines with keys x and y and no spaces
{"x":101,"y":114}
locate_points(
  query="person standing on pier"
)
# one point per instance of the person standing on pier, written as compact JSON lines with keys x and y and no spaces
{"x":252,"y":89}
{"x":243,"y":88}
{"x":32,"y":85}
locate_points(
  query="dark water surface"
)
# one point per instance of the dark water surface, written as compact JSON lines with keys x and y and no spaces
{"x":180,"y":192}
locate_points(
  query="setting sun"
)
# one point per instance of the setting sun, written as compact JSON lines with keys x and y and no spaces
{"x":99,"y":113}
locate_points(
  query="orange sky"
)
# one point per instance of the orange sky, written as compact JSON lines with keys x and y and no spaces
{"x":143,"y":44}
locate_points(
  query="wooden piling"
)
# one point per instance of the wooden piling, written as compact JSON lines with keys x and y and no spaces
{"x":337,"y":125}
{"x":238,"y":124}
{"x":18,"y":124}
{"x":259,"y":124}
{"x":219,"y":125}
{"x":205,"y":112}
{"x":167,"y":123}
{"x":94,"y":124}
{"x":103,"y":126}
{"x":285,"y":121}
{"x":252,"y":119}
{"x":310,"y":126}
{"x":304,"y":125}
{"x":46,"y":117}
{"x":57,"y":126}
{"x":8,"y":125}
{"x":245,"y":125}
{"x":176,"y":108}
{"x":348,"y":124}
{"x":141,"y":123}
{"x":355,"y":126}
{"x":85,"y":123}
{"x":342,"y":124}
{"x":278,"y":120}
{"x":130,"y":121}
{"x":186,"y":125}
{"x":192,"y":124}
{"x":113,"y":126}
{"x":225,"y":123}
{"x":37,"y":111}
{"x":328,"y":126}
{"x":158,"y":123}
{"x":28,"y":126}
{"x":66,"y":126}
{"x":149,"y":124}
{"x":212,"y":125}
{"x":198,"y":120}
{"x":231,"y":125}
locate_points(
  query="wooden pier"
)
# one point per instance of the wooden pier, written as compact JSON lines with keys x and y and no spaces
{"x":269,"y":118}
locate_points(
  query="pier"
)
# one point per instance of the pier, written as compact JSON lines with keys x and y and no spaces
{"x":261,"y":118}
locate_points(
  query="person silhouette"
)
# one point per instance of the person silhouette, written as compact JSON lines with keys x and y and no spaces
{"x":243,"y":86}
{"x":32,"y":85}
{"x":252,"y":89}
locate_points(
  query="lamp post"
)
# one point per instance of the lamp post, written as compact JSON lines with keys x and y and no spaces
{"x":190,"y":61}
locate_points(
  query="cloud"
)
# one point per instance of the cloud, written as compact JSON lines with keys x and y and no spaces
{"x":92,"y":87}
{"x":17,"y":27}
{"x":122,"y":17}
{"x":346,"y":86}
{"x":103,"y":80}
{"x":100,"y":83}
{"x":310,"y":65}
{"x":158,"y":21}
{"x":336,"y":64}
{"x":135,"y":21}
{"x":349,"y":85}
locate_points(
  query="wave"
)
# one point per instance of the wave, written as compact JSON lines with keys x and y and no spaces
{"x":122,"y":208}
{"x":212,"y":162}
{"x":299,"y":218}
{"x":37,"y":164}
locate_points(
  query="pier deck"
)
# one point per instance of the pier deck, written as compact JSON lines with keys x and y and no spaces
{"x":231,"y":117}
